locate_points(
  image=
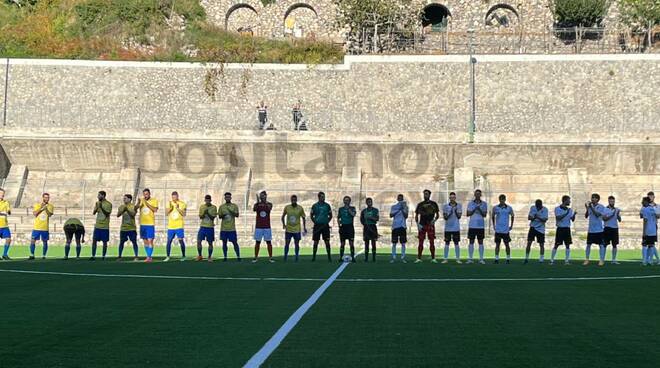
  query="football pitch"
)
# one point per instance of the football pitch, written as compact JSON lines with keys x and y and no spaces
{"x":79,"y":313}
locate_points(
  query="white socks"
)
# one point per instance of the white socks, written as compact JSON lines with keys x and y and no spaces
{"x":645,"y":252}
{"x":614,"y":251}
{"x":601,"y":252}
{"x":457,"y":251}
{"x":568,"y":255}
{"x":481,"y":252}
{"x":554,"y":253}
{"x":587,"y":252}
{"x":403,"y":250}
{"x":470,"y":251}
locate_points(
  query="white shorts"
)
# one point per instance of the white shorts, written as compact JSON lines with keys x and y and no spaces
{"x":263,"y":234}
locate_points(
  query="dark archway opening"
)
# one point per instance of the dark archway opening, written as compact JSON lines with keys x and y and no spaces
{"x":436,"y":16}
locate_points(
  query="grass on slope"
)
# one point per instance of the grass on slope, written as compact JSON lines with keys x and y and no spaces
{"x":140,"y":30}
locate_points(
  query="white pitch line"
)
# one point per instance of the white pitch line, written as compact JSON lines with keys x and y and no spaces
{"x":597,"y":278}
{"x":170,"y":277}
{"x":260,"y":357}
{"x":297,"y":279}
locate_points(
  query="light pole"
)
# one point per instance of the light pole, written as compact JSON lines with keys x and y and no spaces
{"x":473,"y":102}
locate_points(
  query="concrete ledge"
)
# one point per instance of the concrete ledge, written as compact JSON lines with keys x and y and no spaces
{"x":249,"y":136}
{"x":346,"y":65}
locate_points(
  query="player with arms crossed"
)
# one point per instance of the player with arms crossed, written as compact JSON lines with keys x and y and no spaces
{"x":176,"y":212}
{"x":611,"y":217}
{"x":565,"y":216}
{"x":346,"y":218}
{"x":538,"y":216}
{"x":228,"y":212}
{"x":399,"y":215}
{"x":262,"y":229}
{"x":321,"y":216}
{"x":650,"y":218}
{"x":207,"y":214}
{"x":5,"y":211}
{"x":500,"y":217}
{"x":127,"y":230}
{"x":102,"y":210}
{"x":452,"y":213}
{"x":426,"y":214}
{"x":147,"y":207}
{"x":291,"y":218}
{"x":369,"y":219}
{"x":477,"y":211}
{"x":594,"y":212}
{"x":42,"y":213}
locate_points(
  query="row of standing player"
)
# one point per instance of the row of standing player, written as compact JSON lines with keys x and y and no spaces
{"x":603,"y":226}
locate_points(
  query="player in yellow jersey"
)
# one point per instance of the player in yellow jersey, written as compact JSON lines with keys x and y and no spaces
{"x":102,"y":210}
{"x":176,"y":211}
{"x":5,"y":210}
{"x":227,"y":213}
{"x":207,"y":214}
{"x":127,"y":212}
{"x":42,"y":213}
{"x":147,"y":207}
{"x":291,"y":220}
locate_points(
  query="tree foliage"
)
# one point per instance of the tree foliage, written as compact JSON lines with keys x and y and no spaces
{"x":640,"y":14}
{"x":378,"y":19}
{"x":582,"y":13}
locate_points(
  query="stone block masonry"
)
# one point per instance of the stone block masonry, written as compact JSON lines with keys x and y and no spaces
{"x":571,"y":97}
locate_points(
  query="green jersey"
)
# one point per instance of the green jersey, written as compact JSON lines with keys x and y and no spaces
{"x":321,"y":213}
{"x":293,"y":216}
{"x":346,"y":215}
{"x":228,"y":213}
{"x":128,"y":213}
{"x":73,"y":222}
{"x":103,"y":210}
{"x":369,"y":216}
{"x":208,"y":213}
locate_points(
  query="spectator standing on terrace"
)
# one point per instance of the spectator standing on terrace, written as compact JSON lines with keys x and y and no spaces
{"x":262,"y":111}
{"x":299,"y":122}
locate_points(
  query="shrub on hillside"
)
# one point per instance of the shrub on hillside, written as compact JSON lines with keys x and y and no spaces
{"x":579,"y":13}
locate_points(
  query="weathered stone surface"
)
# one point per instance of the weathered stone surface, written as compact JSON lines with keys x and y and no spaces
{"x":308,"y":18}
{"x":546,"y":126}
{"x":526,"y":19}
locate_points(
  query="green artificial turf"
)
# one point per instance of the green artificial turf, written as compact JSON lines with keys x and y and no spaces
{"x":207,"y":320}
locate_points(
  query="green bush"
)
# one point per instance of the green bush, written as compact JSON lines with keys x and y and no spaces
{"x":582,"y":13}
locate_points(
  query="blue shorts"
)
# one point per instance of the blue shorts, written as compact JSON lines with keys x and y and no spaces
{"x":147,"y":231}
{"x":229,"y":236}
{"x":294,"y":236}
{"x":263,"y":234}
{"x":101,"y":235}
{"x":127,"y":235}
{"x":206,"y":234}
{"x":5,"y":233}
{"x":40,"y":234}
{"x":171,"y":233}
